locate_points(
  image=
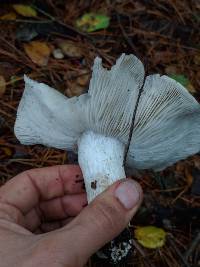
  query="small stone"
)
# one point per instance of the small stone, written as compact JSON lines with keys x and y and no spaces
{"x":58,"y":54}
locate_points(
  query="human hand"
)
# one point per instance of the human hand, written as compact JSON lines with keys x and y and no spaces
{"x":44,"y":201}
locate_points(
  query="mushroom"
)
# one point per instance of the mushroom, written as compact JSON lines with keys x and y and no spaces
{"x":166,"y":126}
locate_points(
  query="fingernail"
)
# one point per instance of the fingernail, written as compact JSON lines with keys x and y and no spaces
{"x":128,"y":194}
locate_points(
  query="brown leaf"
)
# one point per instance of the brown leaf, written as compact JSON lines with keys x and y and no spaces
{"x":70,"y":49}
{"x":2,"y":85}
{"x":189,"y":177}
{"x":78,"y":83}
{"x":9,"y":16}
{"x":75,"y":89}
{"x":191,"y":88}
{"x":83,"y":79}
{"x":38,"y":52}
{"x":171,"y":70}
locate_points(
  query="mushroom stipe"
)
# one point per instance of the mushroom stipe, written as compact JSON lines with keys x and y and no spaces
{"x":166,"y":123}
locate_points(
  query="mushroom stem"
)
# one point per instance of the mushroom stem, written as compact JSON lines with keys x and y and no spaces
{"x":101,"y":161}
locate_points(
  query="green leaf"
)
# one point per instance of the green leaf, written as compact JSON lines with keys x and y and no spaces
{"x":182,"y":79}
{"x":150,"y":236}
{"x":90,"y":22}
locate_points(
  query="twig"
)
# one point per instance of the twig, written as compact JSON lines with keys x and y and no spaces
{"x":141,"y":251}
{"x":172,"y":243}
{"x":6,"y":114}
{"x":193,"y":245}
{"x":53,"y":19}
{"x":3,"y":103}
{"x":25,"y":21}
{"x":128,"y":40}
{"x":20,"y":53}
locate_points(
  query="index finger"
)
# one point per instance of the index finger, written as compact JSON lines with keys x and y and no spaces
{"x":27,"y":189}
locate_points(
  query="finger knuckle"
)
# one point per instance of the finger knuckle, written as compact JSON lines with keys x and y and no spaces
{"x":107,"y":215}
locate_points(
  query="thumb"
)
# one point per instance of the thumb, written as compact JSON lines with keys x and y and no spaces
{"x":106,"y":216}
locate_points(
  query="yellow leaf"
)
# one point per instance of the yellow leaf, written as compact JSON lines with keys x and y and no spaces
{"x":150,"y":236}
{"x":91,"y":22}
{"x":191,"y":88}
{"x":2,"y":85}
{"x":7,"y":151}
{"x":25,"y":10}
{"x":38,"y":52}
{"x":9,"y":16}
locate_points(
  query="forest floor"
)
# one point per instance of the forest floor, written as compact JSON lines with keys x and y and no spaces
{"x":48,"y":46}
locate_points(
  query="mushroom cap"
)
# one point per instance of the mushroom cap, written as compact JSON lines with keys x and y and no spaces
{"x":166,"y":127}
{"x":47,"y":117}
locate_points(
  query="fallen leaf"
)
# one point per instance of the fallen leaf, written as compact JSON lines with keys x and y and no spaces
{"x":25,"y":10}
{"x":191,"y":88}
{"x":197,"y":59}
{"x":183,"y":80}
{"x":38,"y":52}
{"x":7,"y":151}
{"x":171,"y":70}
{"x":78,"y":83}
{"x":180,"y":167}
{"x":90,"y":22}
{"x":84,"y":77}
{"x":9,"y":16}
{"x":75,"y":89}
{"x":150,"y":236}
{"x":70,"y":49}
{"x":189,"y":177}
{"x":2,"y":85}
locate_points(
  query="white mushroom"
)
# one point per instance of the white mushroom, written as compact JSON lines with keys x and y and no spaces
{"x":166,"y":127}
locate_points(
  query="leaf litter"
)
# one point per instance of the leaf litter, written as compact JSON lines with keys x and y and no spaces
{"x":165,"y":36}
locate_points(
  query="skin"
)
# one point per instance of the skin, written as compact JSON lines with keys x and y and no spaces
{"x":44,"y":220}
